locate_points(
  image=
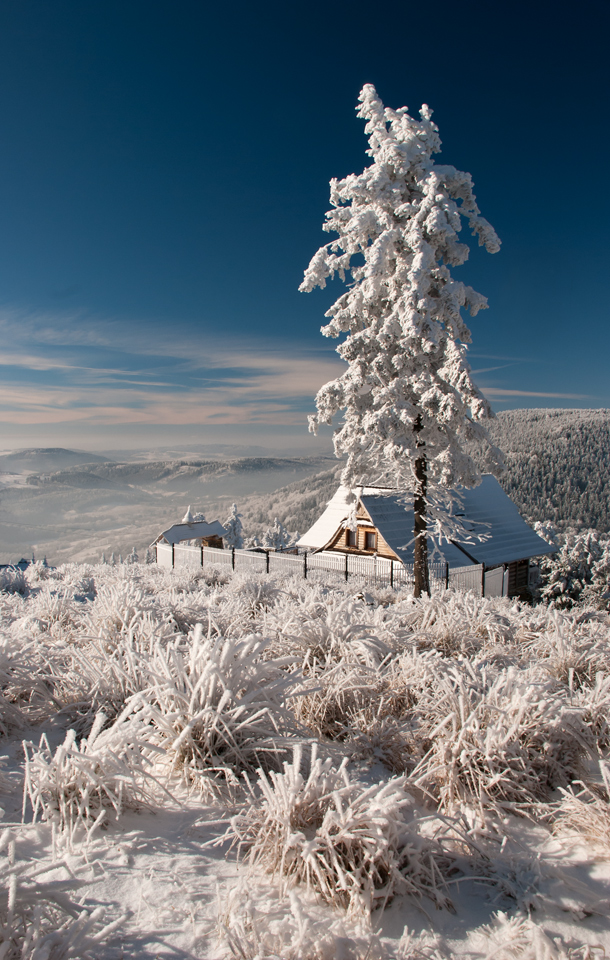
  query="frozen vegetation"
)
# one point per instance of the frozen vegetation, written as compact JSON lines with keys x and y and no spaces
{"x":558,"y":464}
{"x":204,"y":766}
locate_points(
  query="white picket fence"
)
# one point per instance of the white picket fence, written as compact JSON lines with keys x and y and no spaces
{"x":310,"y":565}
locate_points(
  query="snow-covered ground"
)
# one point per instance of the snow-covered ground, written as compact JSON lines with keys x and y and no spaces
{"x":314,"y":772}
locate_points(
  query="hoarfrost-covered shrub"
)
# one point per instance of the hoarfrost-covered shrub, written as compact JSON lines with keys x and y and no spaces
{"x":219,"y":705}
{"x":257,"y":593}
{"x":381,"y":737}
{"x":360,"y":707}
{"x":345,"y":840}
{"x":37,"y":573}
{"x":572,"y":649}
{"x":584,"y":816}
{"x":459,"y":623}
{"x":11,"y":717}
{"x":53,"y":610}
{"x":82,"y":781}
{"x":38,"y":919}
{"x":298,"y":927}
{"x":118,"y":608}
{"x":595,"y":703}
{"x":338,"y":694}
{"x":338,"y":633}
{"x":13,"y":580}
{"x":520,"y":938}
{"x":507,"y":737}
{"x":103,"y":675}
{"x":25,"y":683}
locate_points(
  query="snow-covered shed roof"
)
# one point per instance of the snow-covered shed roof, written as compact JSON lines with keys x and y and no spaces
{"x":510,"y":537}
{"x":192,"y":531}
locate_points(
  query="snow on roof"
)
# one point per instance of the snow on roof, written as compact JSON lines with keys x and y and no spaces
{"x":337,"y":510}
{"x":395,"y":524}
{"x":510,"y":538}
{"x":192,"y":531}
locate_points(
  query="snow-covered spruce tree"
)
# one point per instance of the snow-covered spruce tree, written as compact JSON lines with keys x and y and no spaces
{"x":277,"y":537}
{"x":234,"y":537}
{"x":410,"y":404}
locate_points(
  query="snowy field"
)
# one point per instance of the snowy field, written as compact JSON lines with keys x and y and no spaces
{"x":200,"y":766}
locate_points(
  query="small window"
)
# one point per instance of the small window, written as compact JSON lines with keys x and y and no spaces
{"x":351,"y":538}
{"x":369,"y":541}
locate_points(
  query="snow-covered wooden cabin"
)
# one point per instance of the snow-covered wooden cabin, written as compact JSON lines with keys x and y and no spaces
{"x":206,"y":534}
{"x":385,"y":529}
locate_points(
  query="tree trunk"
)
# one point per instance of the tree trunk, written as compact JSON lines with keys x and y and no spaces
{"x":420,"y":550}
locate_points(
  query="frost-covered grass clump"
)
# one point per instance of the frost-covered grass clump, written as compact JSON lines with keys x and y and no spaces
{"x":358,"y":749}
{"x":347,"y":840}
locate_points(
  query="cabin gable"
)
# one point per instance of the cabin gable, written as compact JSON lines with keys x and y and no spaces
{"x":365,"y":540}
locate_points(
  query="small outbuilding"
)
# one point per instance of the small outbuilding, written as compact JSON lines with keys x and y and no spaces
{"x":385,"y":529}
{"x":204,"y":533}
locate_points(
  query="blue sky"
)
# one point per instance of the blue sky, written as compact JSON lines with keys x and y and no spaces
{"x":164,"y":173}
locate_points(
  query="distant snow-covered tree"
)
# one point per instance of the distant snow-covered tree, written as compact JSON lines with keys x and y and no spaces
{"x":133,"y":557}
{"x":409,"y":401}
{"x":151,"y":556}
{"x":253,"y":543}
{"x":277,"y":537}
{"x":234,"y":537}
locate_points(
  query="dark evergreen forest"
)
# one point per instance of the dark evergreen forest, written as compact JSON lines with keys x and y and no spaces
{"x":558,"y":464}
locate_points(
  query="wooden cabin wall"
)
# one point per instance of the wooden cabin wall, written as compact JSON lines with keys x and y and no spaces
{"x":381,"y":547}
{"x":518,"y":577}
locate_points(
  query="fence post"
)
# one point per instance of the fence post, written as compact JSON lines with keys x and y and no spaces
{"x":446,"y":575}
{"x":232,"y":558}
{"x":346,"y":567}
{"x":267,"y":552}
{"x":173,"y":548}
{"x":482,"y":579}
{"x":305,"y":565}
{"x":392,"y":574}
{"x":202,"y":556}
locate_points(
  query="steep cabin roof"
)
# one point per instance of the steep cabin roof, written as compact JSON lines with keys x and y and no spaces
{"x":510,"y":539}
{"x":199,"y":529}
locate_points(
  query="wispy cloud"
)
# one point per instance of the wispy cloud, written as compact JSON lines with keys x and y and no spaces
{"x":501,"y":366}
{"x":498,"y":392}
{"x":69,"y":369}
{"x":164,"y":377}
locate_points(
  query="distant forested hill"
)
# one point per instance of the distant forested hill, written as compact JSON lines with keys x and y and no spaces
{"x":558,"y":464}
{"x":558,"y":468}
{"x":298,"y":505}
